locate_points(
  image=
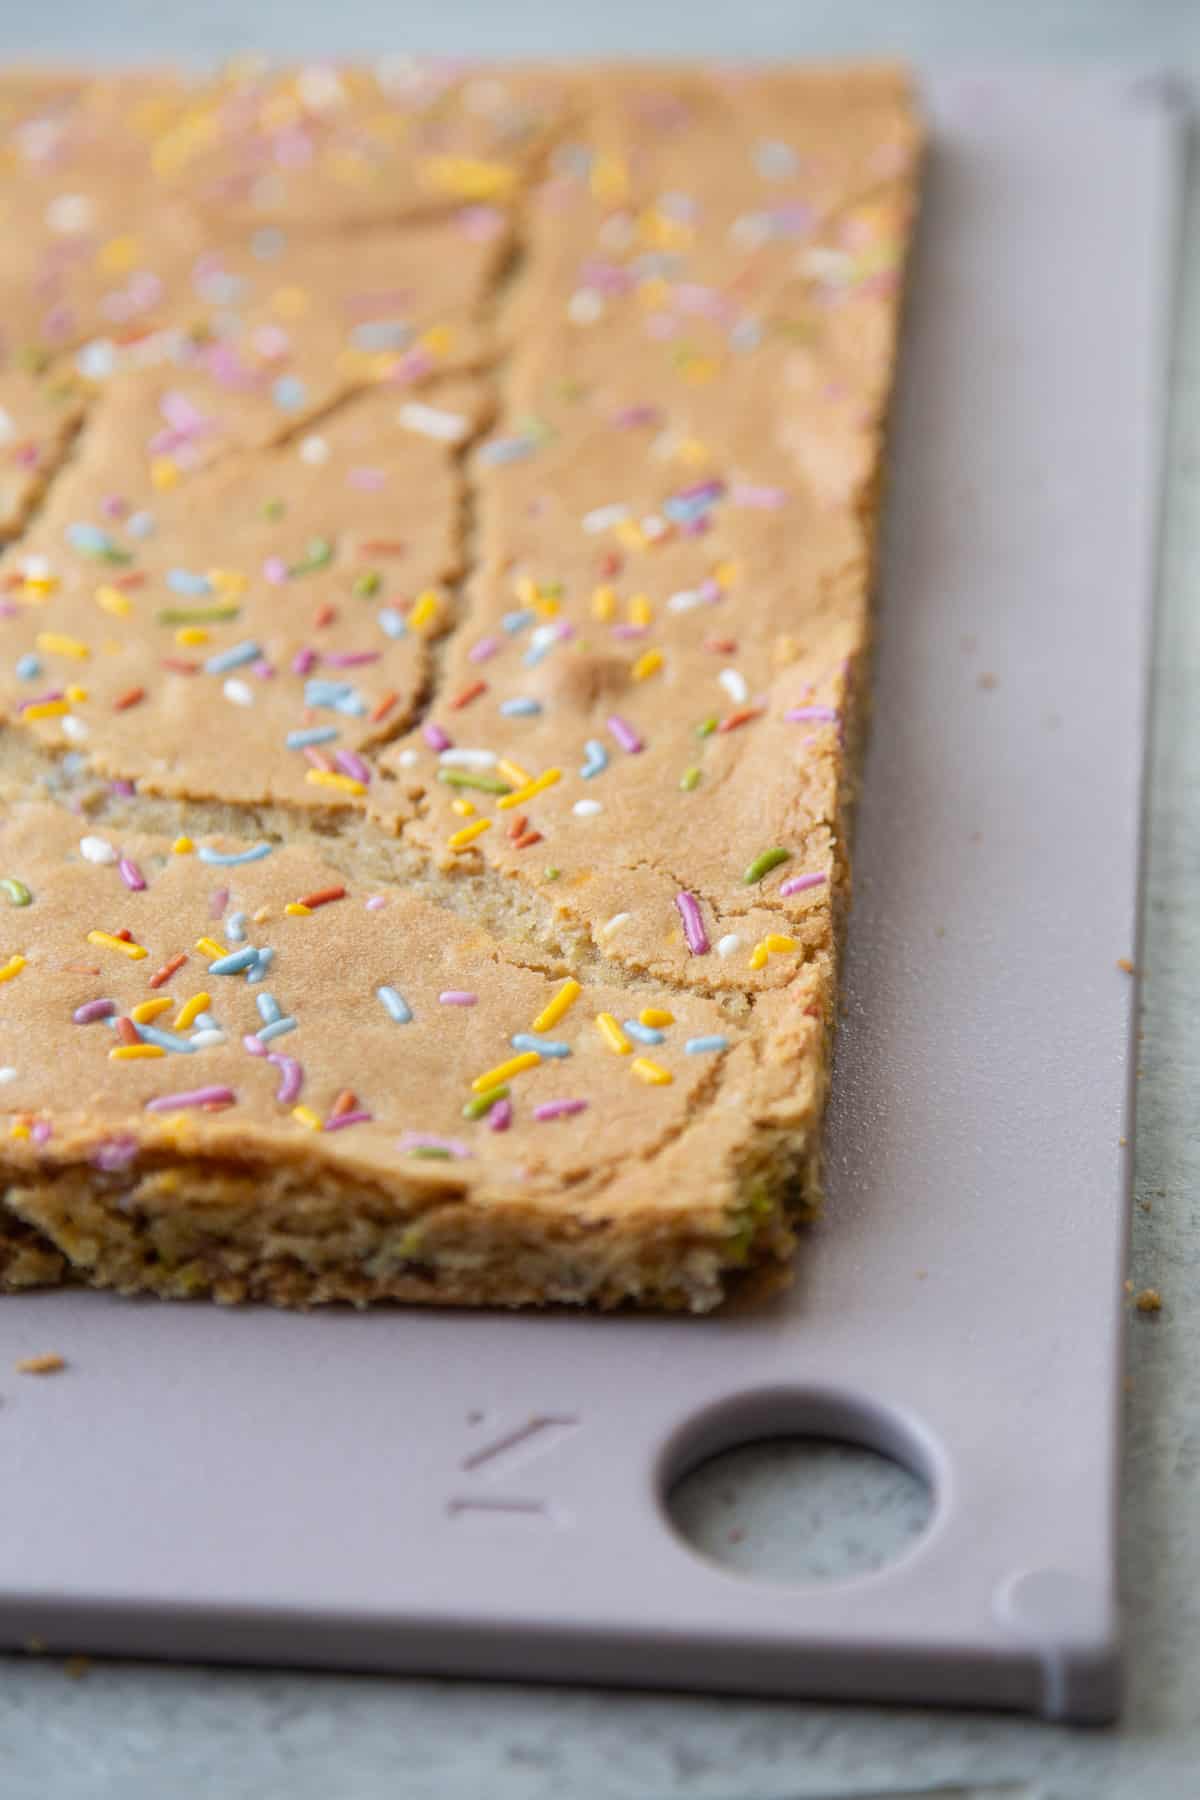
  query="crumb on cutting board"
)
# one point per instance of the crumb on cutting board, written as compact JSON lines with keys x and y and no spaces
{"x":48,"y":1363}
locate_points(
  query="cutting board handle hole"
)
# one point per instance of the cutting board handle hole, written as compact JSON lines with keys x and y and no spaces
{"x":797,"y":1488}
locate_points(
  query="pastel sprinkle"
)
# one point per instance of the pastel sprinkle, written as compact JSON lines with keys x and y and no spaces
{"x":233,"y":658}
{"x":277,"y":1028}
{"x":644,"y":1034}
{"x":339,"y":1121}
{"x":649,"y":663}
{"x":728,"y":944}
{"x":558,"y":1109}
{"x":234,"y":962}
{"x":521,"y":707}
{"x":131,"y":875}
{"x":230,"y":859}
{"x":624,"y":733}
{"x":291,"y":1078}
{"x":312,"y":734}
{"x":435,"y":737}
{"x":457,"y":997}
{"x":500,"y":1117}
{"x":657,"y":1016}
{"x":797,"y":884}
{"x":735,"y":686}
{"x":545,"y":780}
{"x":394,"y":1004}
{"x":612,"y":1034}
{"x":595,"y":759}
{"x":561,"y":1004}
{"x":15,"y":892}
{"x":166,"y":1040}
{"x":460,"y":840}
{"x":806,"y":715}
{"x":615,"y":923}
{"x":135,"y":1052}
{"x":92,"y":1010}
{"x":693,"y":924}
{"x":525,"y":1040}
{"x":412,"y":1141}
{"x":146,"y":1011}
{"x":190,"y":1010}
{"x":304,"y":1115}
{"x":764,"y":863}
{"x":700,"y":1046}
{"x":330,"y":778}
{"x":205,"y":1096}
{"x":107,"y":941}
{"x":651,"y":1072}
{"x":470,"y":778}
{"x":483,"y":1102}
{"x":208,"y":946}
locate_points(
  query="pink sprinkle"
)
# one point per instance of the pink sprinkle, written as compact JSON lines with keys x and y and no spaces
{"x":709,"y":589}
{"x":486,"y":647}
{"x":767,"y":499}
{"x":480,"y":223}
{"x":425,"y":1140}
{"x":291,"y":1078}
{"x":624,"y":733}
{"x":113,"y":507}
{"x":340,"y":1120}
{"x":693,"y":924}
{"x":218,"y":903}
{"x":41,"y":1131}
{"x":798,"y":883}
{"x":124,"y":788}
{"x":9,"y":609}
{"x":435,"y":737}
{"x":629,"y":631}
{"x":803,"y":714}
{"x":500,"y":1116}
{"x":131,"y":875}
{"x":352,"y":659}
{"x":631,"y":416}
{"x":559,"y":1109}
{"x":254,"y":1045}
{"x":275,"y":571}
{"x":376,"y":903}
{"x":352,"y":765}
{"x":304,"y":661}
{"x":91,"y":1010}
{"x":457,"y":997}
{"x":42,"y":699}
{"x":263,"y":669}
{"x":114,"y":1153}
{"x":411,"y":367}
{"x":366,"y":478}
{"x":205,"y":1096}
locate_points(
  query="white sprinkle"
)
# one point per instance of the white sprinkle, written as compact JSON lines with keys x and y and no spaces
{"x":69,"y":213}
{"x":7,"y":1074}
{"x":73,"y":728}
{"x":207,"y":1040}
{"x":728,"y":944}
{"x":96,"y":850}
{"x":825,"y":264}
{"x":618,"y":232}
{"x":8,"y":430}
{"x":407,"y":759}
{"x":97,"y":360}
{"x":586,"y":809}
{"x":320,"y":87}
{"x":314,"y":450}
{"x":615,"y":923}
{"x":653,"y":527}
{"x":735,"y":686}
{"x":542,"y":636}
{"x":468,"y":759}
{"x":433,"y":421}
{"x":585,"y":306}
{"x":36,"y":568}
{"x":238,"y":692}
{"x":684,"y":600}
{"x":601,"y":517}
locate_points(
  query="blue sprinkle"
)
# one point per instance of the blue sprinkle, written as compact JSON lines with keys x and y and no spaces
{"x":235,"y":928}
{"x":698,"y":1046}
{"x":230,"y":859}
{"x":645,"y":1034}
{"x":529,"y":1040}
{"x":140,"y":524}
{"x":506,"y":450}
{"x":233,"y":658}
{"x":682,"y":511}
{"x":391,"y":623}
{"x":520,"y":708}
{"x":339,"y":695}
{"x":289,"y":394}
{"x":235,"y":962}
{"x":382,"y":334}
{"x":89,"y":538}
{"x":277,"y":1028}
{"x":596,"y":759}
{"x":28,"y":668}
{"x":267,"y":242}
{"x":314,"y":734}
{"x":541,"y":643}
{"x":205,"y":1022}
{"x":258,"y":971}
{"x":352,"y":705}
{"x":517,"y":621}
{"x":269,"y":1008}
{"x":185,"y":581}
{"x":166,"y":1040}
{"x":395,"y":1005}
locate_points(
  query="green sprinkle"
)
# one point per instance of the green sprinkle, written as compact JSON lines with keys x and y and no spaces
{"x":707,"y":726}
{"x":483,"y":1103}
{"x":318,"y":554}
{"x":552,"y":874}
{"x":368,"y":583}
{"x":762,"y":865}
{"x":431,"y":1153}
{"x":273,"y":509}
{"x":33,"y":360}
{"x":196,"y":615}
{"x":18,"y":894}
{"x":487,"y":784}
{"x":690,"y":779}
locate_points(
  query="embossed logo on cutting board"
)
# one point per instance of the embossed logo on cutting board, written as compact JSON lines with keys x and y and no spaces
{"x":496,"y":1468}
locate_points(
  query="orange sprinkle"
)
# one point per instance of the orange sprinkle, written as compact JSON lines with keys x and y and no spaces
{"x":468,"y":694}
{"x":527,"y":839}
{"x":517,"y":828}
{"x":721,"y":646}
{"x":129,"y":698}
{"x":347,"y":1101}
{"x":742,"y":716}
{"x":325,"y":616}
{"x":167,"y":970}
{"x":381,"y":547}
{"x":126,"y":1031}
{"x":322,"y":897}
{"x":125,"y":935}
{"x":383,"y":707}
{"x":181,"y":665}
{"x":134,"y":578}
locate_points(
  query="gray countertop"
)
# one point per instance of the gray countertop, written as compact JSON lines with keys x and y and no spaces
{"x":142,"y":1732}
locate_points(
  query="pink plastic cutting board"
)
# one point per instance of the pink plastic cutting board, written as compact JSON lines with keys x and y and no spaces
{"x":483,"y":1494}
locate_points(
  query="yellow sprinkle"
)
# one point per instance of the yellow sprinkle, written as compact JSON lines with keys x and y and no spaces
{"x":189,"y":636}
{"x":655,"y":1017}
{"x":640,"y":610}
{"x":653,"y":292}
{"x":546,"y":779}
{"x":146,"y":1010}
{"x":208,"y":946}
{"x":547,"y":604}
{"x":525,"y":590}
{"x":262,"y":915}
{"x":107,"y":941}
{"x":296,"y":909}
{"x":289,"y":302}
{"x":464,"y":808}
{"x":652,"y":1072}
{"x":54,"y":644}
{"x":38,"y":587}
{"x":114,"y":601}
{"x":12,"y":967}
{"x":425,"y":609}
{"x":468,"y":177}
{"x":612,"y":1034}
{"x":188,"y":1011}
{"x":604,"y":604}
{"x":692,"y":452}
{"x":516,"y":1065}
{"x":631,"y":535}
{"x":512,"y":771}
{"x":777,"y":944}
{"x":46,"y":709}
{"x":182,"y":846}
{"x":164,"y":472}
{"x":562,"y":1003}
{"x":18,"y":1129}
{"x":304,"y":1115}
{"x":229,"y":582}
{"x":608,"y":179}
{"x":76,"y":695}
{"x":468,"y":834}
{"x":758,"y":956}
{"x":135,"y":1052}
{"x":438,"y":340}
{"x":726,"y":573}
{"x":118,"y":256}
{"x":329,"y":778}
{"x":649,"y":663}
